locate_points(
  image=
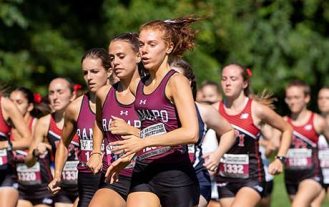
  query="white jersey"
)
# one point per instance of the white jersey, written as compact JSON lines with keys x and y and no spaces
{"x":266,"y":163}
{"x":324,"y":158}
{"x":210,"y":144}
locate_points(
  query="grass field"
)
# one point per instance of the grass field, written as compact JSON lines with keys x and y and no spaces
{"x":280,"y":196}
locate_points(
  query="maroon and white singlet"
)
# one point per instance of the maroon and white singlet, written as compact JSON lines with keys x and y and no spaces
{"x":112,"y":107}
{"x":158,"y":116}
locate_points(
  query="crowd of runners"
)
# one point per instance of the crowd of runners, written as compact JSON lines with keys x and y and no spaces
{"x":144,"y":135}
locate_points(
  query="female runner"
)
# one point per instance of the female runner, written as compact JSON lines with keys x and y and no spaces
{"x":47,"y":137}
{"x":163,"y":174}
{"x":116,"y":116}
{"x":240,"y":178}
{"x":207,"y":118}
{"x":303,"y":176}
{"x":10,"y":117}
{"x":79,"y":118}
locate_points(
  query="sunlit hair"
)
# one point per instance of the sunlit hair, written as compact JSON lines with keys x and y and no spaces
{"x":187,"y":72}
{"x":4,"y":88}
{"x":245,"y":76}
{"x":177,"y":31}
{"x":212,"y":84}
{"x":100,"y":53}
{"x":265,"y":97}
{"x":132,"y":39}
{"x":299,"y":83}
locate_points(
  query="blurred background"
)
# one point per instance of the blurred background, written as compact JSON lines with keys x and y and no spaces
{"x":279,"y":40}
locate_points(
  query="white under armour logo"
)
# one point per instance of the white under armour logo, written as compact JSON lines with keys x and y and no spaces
{"x":308,"y":127}
{"x":259,"y":188}
{"x":244,"y":116}
{"x":124,"y":113}
{"x":142,"y":102}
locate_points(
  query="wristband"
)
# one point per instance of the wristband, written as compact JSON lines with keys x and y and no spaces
{"x":96,"y":153}
{"x":281,"y":158}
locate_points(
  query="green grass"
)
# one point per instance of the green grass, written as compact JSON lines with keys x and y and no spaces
{"x":280,"y":196}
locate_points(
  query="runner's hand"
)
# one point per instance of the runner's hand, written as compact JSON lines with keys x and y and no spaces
{"x":211,"y":161}
{"x":95,"y":162}
{"x":54,"y":185}
{"x":130,"y":145}
{"x":42,"y":148}
{"x":112,"y":173}
{"x":119,"y":126}
{"x":276,"y":167}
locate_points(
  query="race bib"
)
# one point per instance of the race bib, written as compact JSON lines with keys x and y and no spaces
{"x":234,"y":166}
{"x":299,"y":159}
{"x":153,"y":130}
{"x":86,"y":147}
{"x":131,"y":164}
{"x":111,"y":157}
{"x":28,"y":176}
{"x":324,"y":158}
{"x":70,"y":172}
{"x":3,"y":157}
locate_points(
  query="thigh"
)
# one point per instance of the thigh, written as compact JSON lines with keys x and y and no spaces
{"x":247,"y":197}
{"x":42,"y":205}
{"x":107,"y":198}
{"x":8,"y":197}
{"x":121,"y":187}
{"x":317,"y":202}
{"x":63,"y":205}
{"x":202,"y":202}
{"x":24,"y":203}
{"x":308,"y":190}
{"x":143,"y":199}
{"x":226,"y":202}
{"x":213,"y":203}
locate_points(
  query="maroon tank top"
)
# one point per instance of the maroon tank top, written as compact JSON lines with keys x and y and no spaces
{"x":112,"y":107}
{"x":85,"y":123}
{"x":158,"y":116}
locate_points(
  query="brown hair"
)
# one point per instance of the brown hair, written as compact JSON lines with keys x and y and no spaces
{"x":245,"y":76}
{"x":100,"y":53}
{"x":266,"y":98}
{"x":187,"y":72}
{"x":132,"y":39}
{"x":177,"y":31}
{"x":302,"y":84}
{"x":212,"y":84}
